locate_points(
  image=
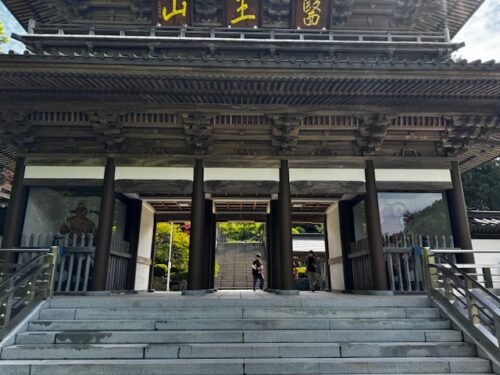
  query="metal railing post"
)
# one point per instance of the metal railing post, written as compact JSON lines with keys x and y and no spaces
{"x":54,"y":251}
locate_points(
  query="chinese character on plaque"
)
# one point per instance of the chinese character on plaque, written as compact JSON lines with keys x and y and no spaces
{"x":173,"y":12}
{"x":311,"y":14}
{"x":243,"y":13}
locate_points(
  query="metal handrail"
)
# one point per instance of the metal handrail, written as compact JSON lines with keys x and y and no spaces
{"x":22,"y":290}
{"x":456,"y":291}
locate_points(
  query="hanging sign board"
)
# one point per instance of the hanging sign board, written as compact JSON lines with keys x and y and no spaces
{"x":307,"y":14}
{"x":243,"y":13}
{"x":173,"y":12}
{"x":311,"y":14}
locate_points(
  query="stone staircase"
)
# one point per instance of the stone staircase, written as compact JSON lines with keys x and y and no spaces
{"x":235,"y":262}
{"x":240,"y":333}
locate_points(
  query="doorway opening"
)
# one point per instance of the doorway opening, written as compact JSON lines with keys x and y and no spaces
{"x":237,"y":245}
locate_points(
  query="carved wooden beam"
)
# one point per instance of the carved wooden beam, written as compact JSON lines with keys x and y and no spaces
{"x":285,"y":133}
{"x":198,"y":129}
{"x":109,"y":130}
{"x":372,"y":133}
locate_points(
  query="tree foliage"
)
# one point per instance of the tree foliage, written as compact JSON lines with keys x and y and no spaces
{"x":3,"y":37}
{"x":242,"y":232}
{"x":180,"y":246}
{"x":431,"y":221}
{"x":482,"y":187}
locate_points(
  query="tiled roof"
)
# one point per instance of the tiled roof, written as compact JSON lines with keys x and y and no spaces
{"x":484,"y":224}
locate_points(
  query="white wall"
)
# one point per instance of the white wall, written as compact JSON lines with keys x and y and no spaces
{"x":488,"y":259}
{"x":335,"y":247}
{"x":144,"y":247}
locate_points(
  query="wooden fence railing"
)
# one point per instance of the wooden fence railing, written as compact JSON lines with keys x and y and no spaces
{"x":76,"y":260}
{"x":403,"y":259}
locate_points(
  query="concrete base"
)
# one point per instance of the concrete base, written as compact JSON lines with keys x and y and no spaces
{"x":194,"y":292}
{"x":280,"y":292}
{"x":380,"y":292}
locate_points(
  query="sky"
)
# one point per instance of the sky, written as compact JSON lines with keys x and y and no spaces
{"x":481,"y":34}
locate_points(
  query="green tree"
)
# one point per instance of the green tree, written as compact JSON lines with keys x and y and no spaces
{"x":180,"y":248}
{"x":3,"y":37}
{"x":242,"y":232}
{"x":482,"y":187}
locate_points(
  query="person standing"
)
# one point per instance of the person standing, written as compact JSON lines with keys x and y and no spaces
{"x":312,"y":270}
{"x":257,"y":268}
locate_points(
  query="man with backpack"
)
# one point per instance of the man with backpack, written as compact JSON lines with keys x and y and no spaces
{"x":312,"y":270}
{"x":257,"y":268}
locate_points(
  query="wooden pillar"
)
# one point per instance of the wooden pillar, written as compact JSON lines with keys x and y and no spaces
{"x":213,"y":249}
{"x":327,"y":254}
{"x":15,"y":212}
{"x":133,"y":227}
{"x":153,"y":254}
{"x":458,"y":215}
{"x":275,"y":246}
{"x":375,"y":239}
{"x":285,"y":229}
{"x":196,"y":247}
{"x":347,"y":237}
{"x":269,"y":252}
{"x":16,"y":209}
{"x":209,"y":246}
{"x":105,"y":228}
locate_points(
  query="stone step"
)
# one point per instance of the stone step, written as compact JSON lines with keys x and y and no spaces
{"x":237,"y":336}
{"x":258,"y":366}
{"x":236,"y":324}
{"x":237,"y":350}
{"x":159,"y":300}
{"x":237,"y":313}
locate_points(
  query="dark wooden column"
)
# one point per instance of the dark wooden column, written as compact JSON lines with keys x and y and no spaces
{"x":458,"y":215}
{"x":274,"y":248}
{"x":327,"y":255}
{"x":105,"y":228}
{"x":213,"y":249}
{"x":209,"y":246}
{"x":16,"y":209}
{"x":375,"y":241}
{"x":133,"y":227}
{"x":196,"y":246}
{"x":269,"y":253}
{"x":347,"y":237}
{"x":285,"y":229}
{"x":15,"y":212}
{"x":153,"y":254}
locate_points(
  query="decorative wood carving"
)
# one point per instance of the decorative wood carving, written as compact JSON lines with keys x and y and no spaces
{"x":341,"y":12}
{"x":408,"y":12}
{"x":462,"y":132}
{"x":208,"y":13}
{"x":276,"y":13}
{"x":109,"y":129}
{"x":16,"y":130}
{"x":198,"y":129}
{"x":372,"y":133}
{"x":285,"y":133}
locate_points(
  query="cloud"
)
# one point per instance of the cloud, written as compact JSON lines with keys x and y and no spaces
{"x":482,"y":34}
